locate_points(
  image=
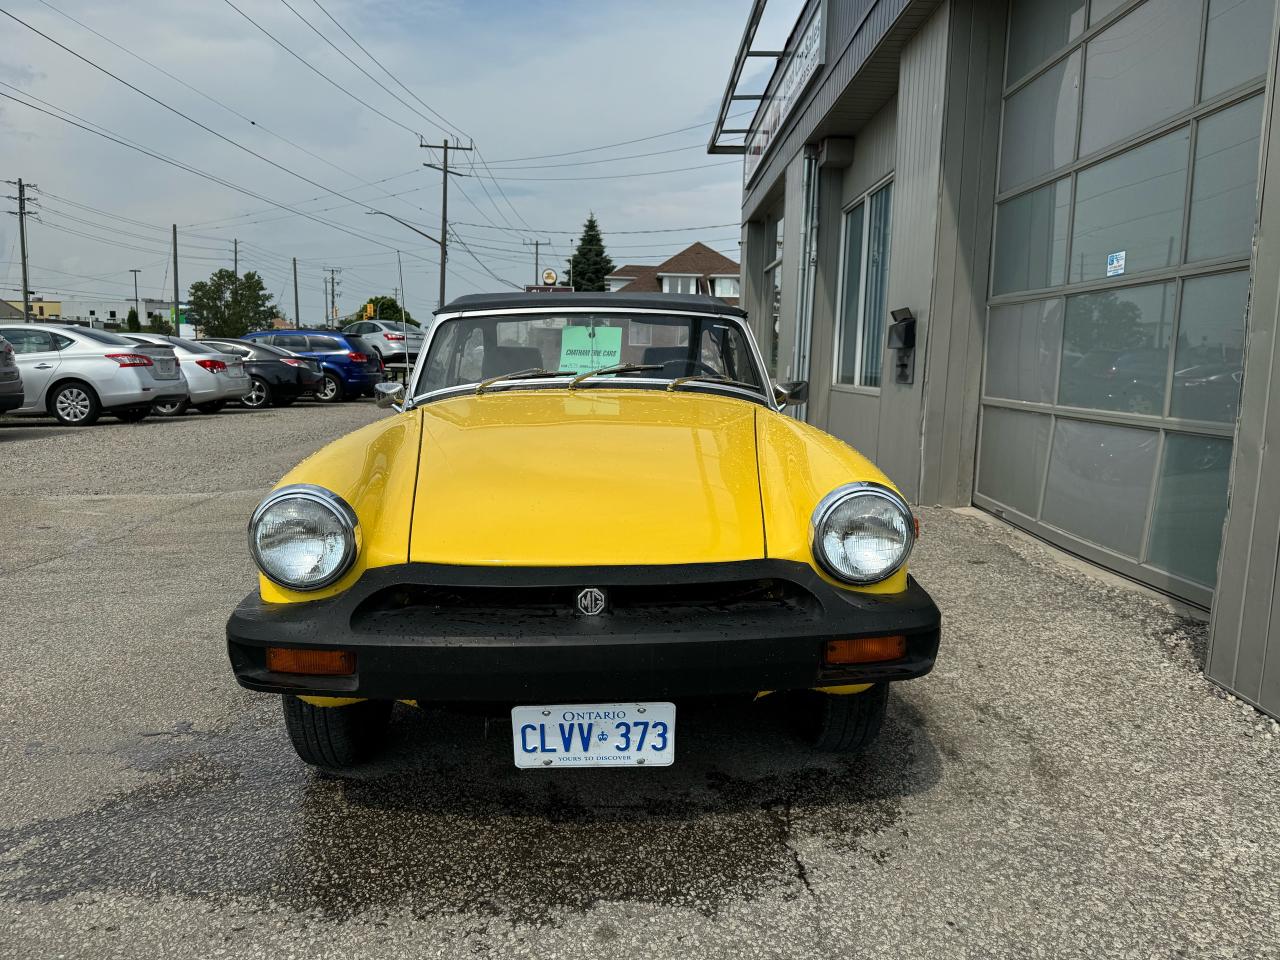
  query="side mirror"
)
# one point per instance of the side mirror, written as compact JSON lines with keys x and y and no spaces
{"x":791,"y":392}
{"x":389,"y":395}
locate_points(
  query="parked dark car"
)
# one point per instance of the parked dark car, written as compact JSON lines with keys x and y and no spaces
{"x":351,"y":367}
{"x":279,"y":377}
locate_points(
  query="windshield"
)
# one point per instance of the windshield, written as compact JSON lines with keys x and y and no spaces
{"x":468,"y":350}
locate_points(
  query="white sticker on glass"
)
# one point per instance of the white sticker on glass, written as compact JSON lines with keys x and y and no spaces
{"x":1115,"y":263}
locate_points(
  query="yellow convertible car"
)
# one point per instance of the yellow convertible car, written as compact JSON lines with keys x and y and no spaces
{"x":586,"y":508}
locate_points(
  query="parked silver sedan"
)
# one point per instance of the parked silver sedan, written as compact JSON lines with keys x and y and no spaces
{"x":76,"y":373}
{"x":400,"y":341}
{"x":10,"y":378}
{"x":214,"y":378}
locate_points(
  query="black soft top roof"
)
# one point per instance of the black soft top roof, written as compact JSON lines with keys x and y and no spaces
{"x":675,"y":302}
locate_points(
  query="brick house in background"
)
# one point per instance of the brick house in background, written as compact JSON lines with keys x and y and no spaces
{"x":696,"y":269}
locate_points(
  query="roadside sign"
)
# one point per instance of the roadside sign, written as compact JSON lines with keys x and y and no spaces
{"x":549,"y":277}
{"x":548,"y":288}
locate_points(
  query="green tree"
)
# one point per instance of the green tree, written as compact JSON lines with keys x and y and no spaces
{"x":589,"y":264}
{"x":131,"y":322}
{"x":386,"y":308}
{"x":229,"y":306}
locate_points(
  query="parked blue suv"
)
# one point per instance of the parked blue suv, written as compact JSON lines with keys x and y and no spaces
{"x":350,"y":366}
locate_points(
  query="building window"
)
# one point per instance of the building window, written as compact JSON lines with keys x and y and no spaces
{"x":726,"y":286}
{"x":679,"y":284}
{"x":864,"y":289}
{"x":639,"y":334}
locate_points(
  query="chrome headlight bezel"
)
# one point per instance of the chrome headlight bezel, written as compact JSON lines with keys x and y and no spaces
{"x":338,"y":507}
{"x":826,"y":507}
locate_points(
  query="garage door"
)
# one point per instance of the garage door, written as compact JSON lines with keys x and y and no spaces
{"x":1120,"y":278}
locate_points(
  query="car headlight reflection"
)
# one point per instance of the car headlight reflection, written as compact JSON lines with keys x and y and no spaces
{"x":304,"y":537}
{"x":862,"y":533}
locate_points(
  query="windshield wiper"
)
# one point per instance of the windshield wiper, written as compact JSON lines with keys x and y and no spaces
{"x":615,"y":368}
{"x":707,"y":378}
{"x":530,"y":374}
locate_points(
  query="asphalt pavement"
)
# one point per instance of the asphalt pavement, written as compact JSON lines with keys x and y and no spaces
{"x":1064,"y":784}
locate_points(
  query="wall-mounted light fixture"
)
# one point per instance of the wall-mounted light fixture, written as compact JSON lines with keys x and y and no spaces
{"x":902,"y":338}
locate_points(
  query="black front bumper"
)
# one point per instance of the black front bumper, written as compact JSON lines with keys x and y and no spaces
{"x":507,"y":634}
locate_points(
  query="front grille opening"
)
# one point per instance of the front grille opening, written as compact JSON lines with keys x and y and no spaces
{"x":640,"y":602}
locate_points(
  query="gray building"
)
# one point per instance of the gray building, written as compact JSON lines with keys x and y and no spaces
{"x":1021,"y":251}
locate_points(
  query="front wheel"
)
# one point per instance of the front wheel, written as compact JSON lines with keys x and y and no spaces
{"x":847,"y":723}
{"x":336,"y":738}
{"x":75,"y":404}
{"x":330,"y":389}
{"x":171,"y":408}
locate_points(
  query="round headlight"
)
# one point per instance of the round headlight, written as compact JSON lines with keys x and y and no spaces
{"x":303,"y":537}
{"x":862,"y":533}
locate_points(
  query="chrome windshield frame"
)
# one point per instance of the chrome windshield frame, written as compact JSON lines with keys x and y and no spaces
{"x":766,"y":396}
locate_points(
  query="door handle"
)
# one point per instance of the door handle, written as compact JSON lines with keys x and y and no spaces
{"x":44,"y":366}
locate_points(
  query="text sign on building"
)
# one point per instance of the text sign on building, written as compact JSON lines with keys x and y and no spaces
{"x":803,"y":61}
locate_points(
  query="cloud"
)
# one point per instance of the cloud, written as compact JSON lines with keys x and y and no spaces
{"x":522,"y":79}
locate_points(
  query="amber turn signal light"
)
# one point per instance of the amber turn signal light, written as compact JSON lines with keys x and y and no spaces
{"x":865,"y":649}
{"x":328,"y":663}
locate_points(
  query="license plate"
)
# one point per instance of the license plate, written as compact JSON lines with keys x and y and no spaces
{"x":594,"y":735}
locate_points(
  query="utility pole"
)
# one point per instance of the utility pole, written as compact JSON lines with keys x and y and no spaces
{"x":537,"y":259}
{"x":333,"y":294}
{"x":235,"y":257}
{"x":23,"y":213}
{"x":177,"y":312}
{"x":297,"y":314}
{"x":137,"y":306}
{"x":444,"y":201}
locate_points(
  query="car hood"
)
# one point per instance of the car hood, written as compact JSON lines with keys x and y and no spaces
{"x":588,"y":477}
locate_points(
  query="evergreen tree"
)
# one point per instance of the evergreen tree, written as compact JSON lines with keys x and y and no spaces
{"x":589,"y":264}
{"x":131,"y":323}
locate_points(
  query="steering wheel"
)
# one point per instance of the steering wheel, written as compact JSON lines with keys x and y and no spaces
{"x":680,"y":368}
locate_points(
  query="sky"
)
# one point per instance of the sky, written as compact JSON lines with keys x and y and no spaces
{"x":286,"y":128}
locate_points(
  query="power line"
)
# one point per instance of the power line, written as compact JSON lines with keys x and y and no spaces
{"x":705,"y":226}
{"x":621,"y":176}
{"x":585,"y":163}
{"x":206,"y":96}
{"x":106,"y":134}
{"x":343,"y":54}
{"x":458,"y":130}
{"x":621,"y":143}
{"x":364,"y":103}
{"x":187,"y":117}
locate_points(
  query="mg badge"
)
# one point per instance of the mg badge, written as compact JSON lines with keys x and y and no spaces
{"x":591,"y":601}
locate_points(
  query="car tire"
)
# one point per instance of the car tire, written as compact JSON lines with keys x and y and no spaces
{"x":847,"y":723}
{"x":213,"y":406}
{"x":171,"y":408}
{"x":132,"y":415}
{"x":259,"y":396}
{"x":75,"y":404}
{"x":331,"y":389}
{"x":336,"y":738}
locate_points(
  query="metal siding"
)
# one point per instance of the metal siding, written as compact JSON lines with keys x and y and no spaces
{"x":970,"y":143}
{"x":755,"y":238}
{"x":854,"y":417}
{"x":826,"y":295}
{"x":791,"y":251}
{"x":874,"y":153}
{"x":921,"y":92}
{"x":1244,"y":650}
{"x":835,"y":99}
